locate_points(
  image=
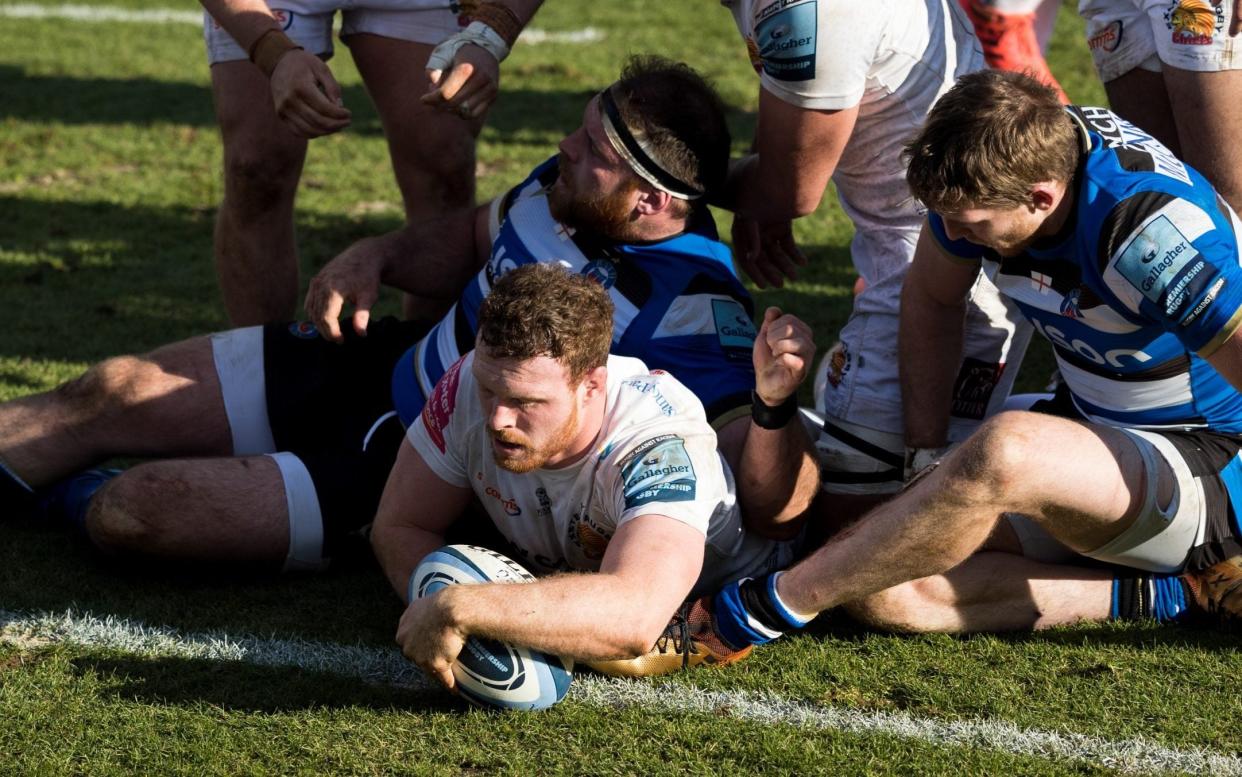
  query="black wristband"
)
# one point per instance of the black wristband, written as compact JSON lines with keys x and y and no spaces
{"x":768,"y":416}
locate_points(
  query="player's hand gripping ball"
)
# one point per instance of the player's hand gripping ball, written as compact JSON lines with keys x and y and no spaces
{"x":491,"y":673}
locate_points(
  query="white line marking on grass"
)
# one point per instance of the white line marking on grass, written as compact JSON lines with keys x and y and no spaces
{"x":387,"y":667}
{"x":102,"y":13}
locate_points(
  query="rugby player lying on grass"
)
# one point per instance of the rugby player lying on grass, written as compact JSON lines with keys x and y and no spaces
{"x":274,"y":444}
{"x":588,"y":464}
{"x":1128,"y":262}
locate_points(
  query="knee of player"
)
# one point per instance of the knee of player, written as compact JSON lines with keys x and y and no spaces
{"x":123,"y":516}
{"x":109,"y":385}
{"x":259,"y":179}
{"x":996,"y":460}
{"x":909,"y":608}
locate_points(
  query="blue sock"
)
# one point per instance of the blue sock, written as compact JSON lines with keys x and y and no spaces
{"x":69,"y":500}
{"x":1152,"y":596}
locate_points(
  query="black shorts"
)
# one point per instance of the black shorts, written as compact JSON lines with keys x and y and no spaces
{"x":1212,"y":458}
{"x":331,"y":406}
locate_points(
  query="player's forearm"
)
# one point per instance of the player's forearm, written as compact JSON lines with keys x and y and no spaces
{"x":244,"y":20}
{"x":929,"y":351}
{"x":766,"y":192}
{"x":435,"y":258}
{"x":777,"y":477}
{"x":399,"y":549}
{"x":586,"y":616}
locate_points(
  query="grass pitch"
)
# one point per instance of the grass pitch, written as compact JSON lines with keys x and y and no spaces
{"x":109,"y":177}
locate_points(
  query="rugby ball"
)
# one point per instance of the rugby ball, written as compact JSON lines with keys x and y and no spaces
{"x":488,"y":672}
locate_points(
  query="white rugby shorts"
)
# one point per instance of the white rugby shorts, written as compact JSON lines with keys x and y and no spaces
{"x":309,"y":24}
{"x":1187,"y":34}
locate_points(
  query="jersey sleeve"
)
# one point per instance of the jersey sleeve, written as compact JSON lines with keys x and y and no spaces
{"x":1170,"y":261}
{"x":817,"y":53}
{"x":437,"y":434}
{"x":672,"y":470}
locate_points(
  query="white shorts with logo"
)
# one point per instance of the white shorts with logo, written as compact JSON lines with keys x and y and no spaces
{"x":1148,"y":34}
{"x":309,"y":24}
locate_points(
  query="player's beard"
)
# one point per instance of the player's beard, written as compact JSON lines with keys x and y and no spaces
{"x":606,"y":215}
{"x":530,"y":458}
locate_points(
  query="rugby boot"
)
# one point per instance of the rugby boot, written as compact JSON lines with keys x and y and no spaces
{"x":1009,"y":42}
{"x":1217,"y":590}
{"x":689,"y":640}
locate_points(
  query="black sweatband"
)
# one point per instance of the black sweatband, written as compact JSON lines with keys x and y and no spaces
{"x":767,"y":416}
{"x":646,"y":167}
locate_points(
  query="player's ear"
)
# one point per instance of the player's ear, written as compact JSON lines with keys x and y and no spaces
{"x":596,"y":381}
{"x":1045,"y":195}
{"x":652,"y":201}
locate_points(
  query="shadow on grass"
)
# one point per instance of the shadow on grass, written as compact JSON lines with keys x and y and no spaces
{"x":51,"y":570}
{"x":1145,"y":635}
{"x":239,"y":687}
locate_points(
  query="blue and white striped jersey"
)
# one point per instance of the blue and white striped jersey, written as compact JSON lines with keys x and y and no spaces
{"x":679,"y":305}
{"x":1143,"y":282}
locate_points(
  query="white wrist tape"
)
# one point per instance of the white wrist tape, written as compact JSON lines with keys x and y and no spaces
{"x":477,"y":33}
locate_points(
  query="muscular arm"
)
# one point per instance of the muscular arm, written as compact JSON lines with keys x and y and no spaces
{"x":650,"y":566}
{"x":797,"y":152}
{"x":933,"y":309}
{"x":1227,"y":359}
{"x":776,"y":469}
{"x":433,"y":259}
{"x":415,"y":511}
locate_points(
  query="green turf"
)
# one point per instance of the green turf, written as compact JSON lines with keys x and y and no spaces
{"x":109,"y":179}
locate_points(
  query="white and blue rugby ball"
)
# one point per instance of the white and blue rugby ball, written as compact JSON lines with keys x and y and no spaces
{"x":491,"y":673}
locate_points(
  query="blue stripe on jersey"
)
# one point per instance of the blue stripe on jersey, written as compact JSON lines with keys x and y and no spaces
{"x":405,"y":384}
{"x":1148,"y":273}
{"x":1231,"y":475}
{"x":644,"y":281}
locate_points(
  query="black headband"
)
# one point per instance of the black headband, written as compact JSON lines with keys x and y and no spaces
{"x":630,"y":149}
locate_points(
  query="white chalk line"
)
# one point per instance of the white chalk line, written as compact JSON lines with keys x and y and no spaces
{"x":103,"y":13}
{"x":387,"y":667}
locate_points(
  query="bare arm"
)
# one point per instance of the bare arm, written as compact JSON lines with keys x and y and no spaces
{"x":1227,"y":359}
{"x":929,"y":340}
{"x":415,"y":511}
{"x":650,"y":566}
{"x":797,"y":152}
{"x":305,"y":95}
{"x":433,"y":259}
{"x":777,"y":471}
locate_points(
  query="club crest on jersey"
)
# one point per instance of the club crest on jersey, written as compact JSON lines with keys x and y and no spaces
{"x":838,"y":364}
{"x":1070,"y":304}
{"x":602,"y":271}
{"x":786,"y":40}
{"x":588,"y":536}
{"x":283,"y":17}
{"x":670,"y":478}
{"x":1194,"y":22}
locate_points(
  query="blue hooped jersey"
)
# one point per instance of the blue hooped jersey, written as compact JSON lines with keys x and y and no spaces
{"x":1141,"y":285}
{"x":679,"y":305}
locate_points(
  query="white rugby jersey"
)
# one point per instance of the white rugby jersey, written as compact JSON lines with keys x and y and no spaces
{"x":655,"y":454}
